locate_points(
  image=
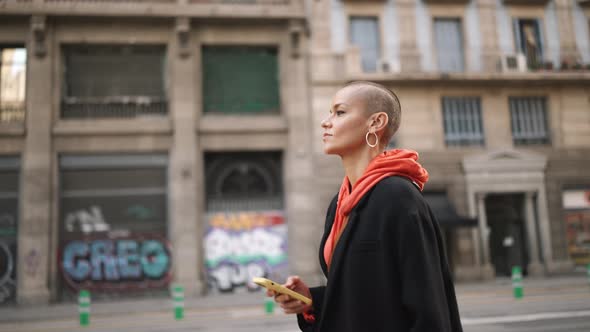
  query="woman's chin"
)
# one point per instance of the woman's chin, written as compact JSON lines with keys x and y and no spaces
{"x":330,"y":150}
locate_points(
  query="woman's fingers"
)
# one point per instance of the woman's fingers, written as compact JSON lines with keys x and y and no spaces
{"x":293,"y":307}
{"x":282,"y":298}
{"x":292,"y":281}
{"x":292,"y":304}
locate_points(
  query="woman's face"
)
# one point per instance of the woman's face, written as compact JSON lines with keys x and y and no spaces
{"x":347,"y":124}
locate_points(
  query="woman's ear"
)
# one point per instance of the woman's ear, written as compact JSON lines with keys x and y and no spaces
{"x":379,"y":121}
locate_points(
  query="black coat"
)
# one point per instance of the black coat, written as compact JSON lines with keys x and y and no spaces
{"x":389,"y":271}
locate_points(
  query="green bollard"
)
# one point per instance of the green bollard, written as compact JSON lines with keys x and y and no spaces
{"x":84,"y":307}
{"x":269,"y":305}
{"x":178,"y":298}
{"x":517,"y":282}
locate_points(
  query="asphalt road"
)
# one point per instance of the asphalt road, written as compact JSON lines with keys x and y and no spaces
{"x":548,"y":306}
{"x":250,"y":319}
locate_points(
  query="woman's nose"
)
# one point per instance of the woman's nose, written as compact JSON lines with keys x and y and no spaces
{"x":325,"y":123}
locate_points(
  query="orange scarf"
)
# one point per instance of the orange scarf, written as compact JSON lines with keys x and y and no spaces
{"x":393,"y":162}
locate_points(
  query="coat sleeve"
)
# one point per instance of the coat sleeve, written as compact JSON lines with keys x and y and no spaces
{"x":426,"y":286}
{"x":317,"y":298}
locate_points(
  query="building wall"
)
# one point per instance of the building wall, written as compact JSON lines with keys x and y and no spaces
{"x":184,"y":134}
{"x":315,"y":60}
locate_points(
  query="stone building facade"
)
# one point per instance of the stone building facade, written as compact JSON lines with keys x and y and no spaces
{"x":491,"y":100}
{"x":178,"y":141}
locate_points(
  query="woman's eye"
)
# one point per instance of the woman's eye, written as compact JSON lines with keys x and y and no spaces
{"x":338,"y":113}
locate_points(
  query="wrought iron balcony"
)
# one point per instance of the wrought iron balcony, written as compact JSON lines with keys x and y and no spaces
{"x":113,"y":107}
{"x":12,"y":112}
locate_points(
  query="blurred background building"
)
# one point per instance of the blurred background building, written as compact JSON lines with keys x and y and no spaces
{"x":147,"y":142}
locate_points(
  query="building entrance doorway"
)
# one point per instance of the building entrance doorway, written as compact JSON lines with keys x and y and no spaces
{"x":507,"y":237}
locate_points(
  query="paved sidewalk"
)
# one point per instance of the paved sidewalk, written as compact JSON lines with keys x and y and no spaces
{"x":491,"y":297}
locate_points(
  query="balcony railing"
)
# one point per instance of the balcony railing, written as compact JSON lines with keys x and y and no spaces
{"x":113,"y":107}
{"x":117,"y":1}
{"x":243,"y":2}
{"x":12,"y":112}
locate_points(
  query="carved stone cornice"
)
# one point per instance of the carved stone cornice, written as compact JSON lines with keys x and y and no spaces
{"x":39,"y":31}
{"x":182,"y":29}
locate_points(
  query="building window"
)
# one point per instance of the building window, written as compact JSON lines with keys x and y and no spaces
{"x":113,"y":223}
{"x":246,"y":231}
{"x":364,"y":34}
{"x":449,"y":44}
{"x":13,"y":78}
{"x":527,"y":36}
{"x":529,"y":120}
{"x":9,"y":193}
{"x":114,"y":81}
{"x":462,"y":121}
{"x":243,"y":181}
{"x":240,"y":80}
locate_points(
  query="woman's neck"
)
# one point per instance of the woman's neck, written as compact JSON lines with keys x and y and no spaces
{"x":356,"y":163}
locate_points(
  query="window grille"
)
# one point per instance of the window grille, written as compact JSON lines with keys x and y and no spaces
{"x":529,"y":120}
{"x":243,"y":181}
{"x":462,"y":121}
{"x":9,"y":206}
{"x":118,"y":81}
{"x":128,"y":191}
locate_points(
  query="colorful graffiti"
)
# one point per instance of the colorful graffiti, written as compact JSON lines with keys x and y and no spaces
{"x":87,"y":221}
{"x":243,"y":245}
{"x":576,"y":204}
{"x":114,"y":264}
{"x":7,"y":258}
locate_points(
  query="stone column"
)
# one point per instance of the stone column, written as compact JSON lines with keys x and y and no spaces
{"x":184,"y":230}
{"x":35,"y":207}
{"x":300,"y":203}
{"x":474,"y":231}
{"x":487,"y":269}
{"x":409,"y":55}
{"x":534,"y":267}
{"x":545,"y":230}
{"x":490,"y":50}
{"x":567,"y":37}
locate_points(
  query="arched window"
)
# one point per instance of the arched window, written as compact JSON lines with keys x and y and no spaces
{"x":243,"y":181}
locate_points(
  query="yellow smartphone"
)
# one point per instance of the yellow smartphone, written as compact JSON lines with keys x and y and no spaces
{"x":278,"y":288}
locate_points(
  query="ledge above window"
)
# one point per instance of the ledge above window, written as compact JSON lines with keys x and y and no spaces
{"x":364,"y":1}
{"x":445,"y":2}
{"x":213,"y":123}
{"x":526,"y":2}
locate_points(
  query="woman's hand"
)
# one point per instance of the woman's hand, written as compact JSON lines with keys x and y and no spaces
{"x":289,"y":304}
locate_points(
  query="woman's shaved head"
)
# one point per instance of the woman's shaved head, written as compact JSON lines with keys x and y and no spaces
{"x":377,"y":98}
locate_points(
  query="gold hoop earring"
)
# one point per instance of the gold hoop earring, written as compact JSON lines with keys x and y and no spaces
{"x":376,"y":139}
